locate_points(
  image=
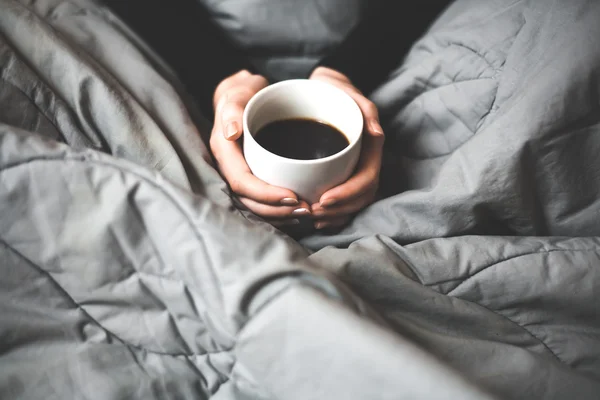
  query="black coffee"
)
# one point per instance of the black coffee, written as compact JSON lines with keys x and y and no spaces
{"x":301,"y":139}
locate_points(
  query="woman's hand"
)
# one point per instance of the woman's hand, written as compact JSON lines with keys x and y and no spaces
{"x":336,"y":206}
{"x":277,"y":205}
{"x":281,"y":206}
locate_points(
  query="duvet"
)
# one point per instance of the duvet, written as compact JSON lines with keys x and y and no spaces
{"x":126,"y":272}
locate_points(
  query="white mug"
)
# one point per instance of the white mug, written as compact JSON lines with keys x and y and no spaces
{"x":307,"y":99}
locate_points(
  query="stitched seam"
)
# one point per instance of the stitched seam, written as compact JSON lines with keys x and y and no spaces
{"x":481,"y":268}
{"x":37,"y":106}
{"x":122,"y":169}
{"x":83,"y":310}
{"x":4,"y":78}
{"x":484,"y":117}
{"x":479,"y":271}
{"x":477,"y":53}
{"x":427,"y":88}
{"x":177,"y":205}
{"x":531,"y":334}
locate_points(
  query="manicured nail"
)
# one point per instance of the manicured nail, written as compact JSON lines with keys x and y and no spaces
{"x":231,"y":130}
{"x":320,"y":225}
{"x":288,"y":201}
{"x":301,"y":211}
{"x":328,"y":202}
{"x":375,"y":127}
{"x":318,"y":213}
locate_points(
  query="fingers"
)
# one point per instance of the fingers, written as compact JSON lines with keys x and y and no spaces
{"x":366,"y":178}
{"x":339,"y":215}
{"x":271,"y":202}
{"x":278,"y":205}
{"x":370,"y":114}
{"x":344,"y":209}
{"x":231,"y":98}
{"x":367,"y":107}
{"x":276,"y":212}
{"x":332,"y":223}
{"x":231,"y":114}
{"x":337,"y":205}
{"x":245,"y":184}
{"x":233,"y":167}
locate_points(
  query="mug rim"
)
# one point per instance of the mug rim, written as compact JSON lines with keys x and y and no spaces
{"x":291,"y":82}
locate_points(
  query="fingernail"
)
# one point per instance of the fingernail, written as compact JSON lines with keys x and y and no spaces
{"x":293,"y":222}
{"x":318,"y":213}
{"x":328,"y":202}
{"x":289,"y":201}
{"x":375,"y":127}
{"x":301,"y":211}
{"x":231,"y":130}
{"x":320,"y":225}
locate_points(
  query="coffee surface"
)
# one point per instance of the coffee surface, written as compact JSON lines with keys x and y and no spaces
{"x":301,"y":139}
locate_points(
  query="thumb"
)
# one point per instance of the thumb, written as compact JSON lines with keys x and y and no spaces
{"x":231,"y":120}
{"x":370,"y":114}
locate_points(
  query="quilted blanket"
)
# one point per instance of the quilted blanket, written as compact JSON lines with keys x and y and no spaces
{"x":127,"y":273}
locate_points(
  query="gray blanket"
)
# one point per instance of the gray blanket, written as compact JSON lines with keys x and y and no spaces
{"x":126,"y":273}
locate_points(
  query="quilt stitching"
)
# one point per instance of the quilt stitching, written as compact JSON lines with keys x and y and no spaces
{"x":84,"y":158}
{"x":123,"y":170}
{"x":92,"y":319}
{"x":484,"y":268}
{"x":52,"y":121}
{"x":529,"y":332}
